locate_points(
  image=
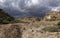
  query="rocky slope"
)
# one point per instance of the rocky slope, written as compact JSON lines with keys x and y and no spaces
{"x":29,"y":28}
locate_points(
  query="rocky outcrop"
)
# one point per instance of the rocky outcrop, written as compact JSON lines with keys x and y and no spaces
{"x":55,"y":15}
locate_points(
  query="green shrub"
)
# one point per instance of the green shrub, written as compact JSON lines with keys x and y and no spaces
{"x":51,"y":29}
{"x":6,"y":21}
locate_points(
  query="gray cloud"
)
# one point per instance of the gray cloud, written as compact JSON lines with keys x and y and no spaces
{"x":29,"y":7}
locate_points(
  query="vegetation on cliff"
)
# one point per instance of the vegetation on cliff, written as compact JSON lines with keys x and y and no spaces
{"x":5,"y":17}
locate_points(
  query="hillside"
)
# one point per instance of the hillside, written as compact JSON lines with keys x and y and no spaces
{"x":51,"y":16}
{"x":5,"y":17}
{"x":32,"y":27}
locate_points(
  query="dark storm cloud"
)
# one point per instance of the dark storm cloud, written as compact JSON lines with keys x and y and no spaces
{"x":29,"y":7}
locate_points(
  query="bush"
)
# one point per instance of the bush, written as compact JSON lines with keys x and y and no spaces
{"x":5,"y":21}
{"x":51,"y":29}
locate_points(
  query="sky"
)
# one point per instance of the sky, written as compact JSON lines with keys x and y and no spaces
{"x":25,"y":8}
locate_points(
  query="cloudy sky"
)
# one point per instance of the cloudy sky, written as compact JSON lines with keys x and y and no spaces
{"x":23,"y":8}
